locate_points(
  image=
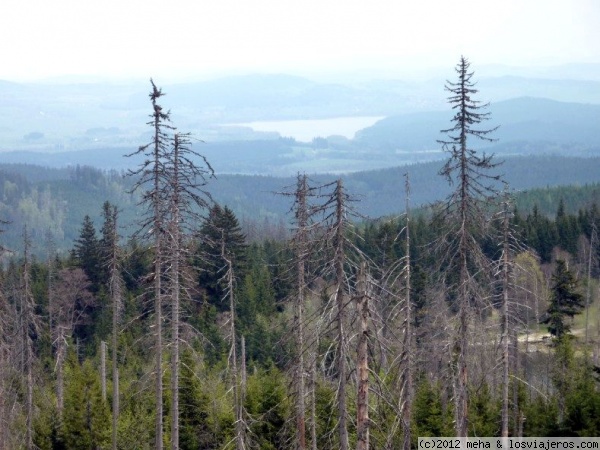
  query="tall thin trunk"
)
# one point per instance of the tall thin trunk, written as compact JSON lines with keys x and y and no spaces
{"x":175,"y":289}
{"x":158,"y":266}
{"x":115,"y":288}
{"x":313,"y":395}
{"x":589,"y":285}
{"x":103,"y":369}
{"x":240,"y":429}
{"x":461,"y":377}
{"x":159,"y":344}
{"x":243,"y":374}
{"x":301,"y":255}
{"x":362,"y":419}
{"x":116,"y":294}
{"x":505,"y":325}
{"x":341,"y":316}
{"x":28,"y":322}
{"x":60,"y":361}
{"x":407,"y":357}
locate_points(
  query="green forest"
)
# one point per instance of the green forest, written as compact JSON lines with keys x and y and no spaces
{"x":169,"y":323}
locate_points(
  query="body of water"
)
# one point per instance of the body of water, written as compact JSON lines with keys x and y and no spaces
{"x":306,"y":130}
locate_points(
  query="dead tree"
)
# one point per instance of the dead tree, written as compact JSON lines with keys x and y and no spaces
{"x":593,"y":239}
{"x":464,"y":218}
{"x":28,"y":328}
{"x":71,"y":299}
{"x":110,"y":244}
{"x":151,"y":179}
{"x":229,"y":280}
{"x":301,"y":255}
{"x":307,"y":241}
{"x":362,"y":300}
{"x":186,"y":199}
{"x":506,"y":269}
{"x":339,"y":258}
{"x":407,"y":347}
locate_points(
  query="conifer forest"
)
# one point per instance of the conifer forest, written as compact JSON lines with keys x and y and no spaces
{"x":466,"y":317}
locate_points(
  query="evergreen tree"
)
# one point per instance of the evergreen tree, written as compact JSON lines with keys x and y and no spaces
{"x":86,"y":419}
{"x":86,"y":252}
{"x":565,"y":302}
{"x":221,"y":226}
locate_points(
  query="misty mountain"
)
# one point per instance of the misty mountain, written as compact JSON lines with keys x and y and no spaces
{"x":53,"y":117}
{"x":547,"y":123}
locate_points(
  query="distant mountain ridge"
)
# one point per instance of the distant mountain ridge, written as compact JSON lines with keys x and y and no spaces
{"x":58,"y":117}
{"x":527,"y":126}
{"x":58,"y":199}
{"x":521,"y":119}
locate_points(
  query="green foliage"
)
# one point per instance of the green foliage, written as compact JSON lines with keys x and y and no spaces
{"x":430,"y":416}
{"x":267,"y":405}
{"x":565,"y":301}
{"x":541,"y":414}
{"x":86,"y":420}
{"x":86,"y":252}
{"x":583,"y":405}
{"x":220,"y":237}
{"x":484,"y":412}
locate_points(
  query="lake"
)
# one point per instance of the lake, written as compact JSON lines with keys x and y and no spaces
{"x":306,"y":130}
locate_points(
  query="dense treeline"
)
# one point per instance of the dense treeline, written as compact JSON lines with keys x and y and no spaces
{"x":470,"y":317}
{"x":264,"y":313}
{"x":56,"y":199}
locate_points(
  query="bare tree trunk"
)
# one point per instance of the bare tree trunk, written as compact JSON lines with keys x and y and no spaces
{"x":339,"y":259}
{"x":589,"y":284}
{"x":159,"y":345}
{"x":461,"y":376}
{"x":362,"y":420}
{"x":175,"y":290}
{"x":103,"y":369}
{"x":175,"y":358}
{"x":116,"y":303}
{"x":240,"y":428}
{"x":341,"y":316}
{"x":243,"y":382}
{"x":28,"y":323}
{"x":313,"y":396}
{"x":407,"y":357}
{"x":301,"y":255}
{"x":115,"y":405}
{"x":505,"y":328}
{"x":60,"y":361}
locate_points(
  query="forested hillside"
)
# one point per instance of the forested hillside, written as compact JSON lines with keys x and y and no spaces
{"x":56,"y":200}
{"x":172,"y":307}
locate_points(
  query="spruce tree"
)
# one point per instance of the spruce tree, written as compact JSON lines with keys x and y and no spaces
{"x":151,"y":179}
{"x":463,"y":216}
{"x":566,"y":301}
{"x":86,"y":252}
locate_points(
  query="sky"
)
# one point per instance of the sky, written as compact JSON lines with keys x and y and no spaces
{"x":179,"y":39}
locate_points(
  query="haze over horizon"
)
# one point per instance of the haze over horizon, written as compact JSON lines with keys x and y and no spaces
{"x":185,"y":40}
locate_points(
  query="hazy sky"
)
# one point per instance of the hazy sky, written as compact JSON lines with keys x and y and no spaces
{"x":178,"y":38}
